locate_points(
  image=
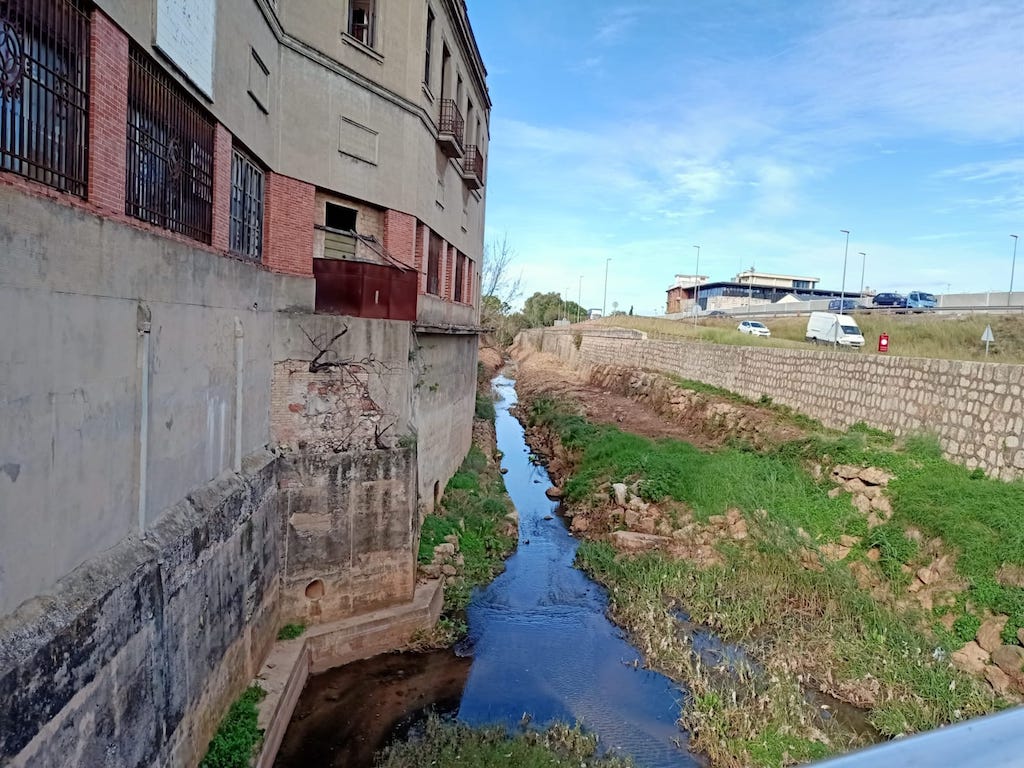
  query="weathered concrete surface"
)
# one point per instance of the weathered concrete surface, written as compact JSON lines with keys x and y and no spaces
{"x":291,"y":662}
{"x":351,"y":523}
{"x":70,"y":380}
{"x":973,"y":408}
{"x":443,"y":403}
{"x":133,"y":658}
{"x":362,"y":397}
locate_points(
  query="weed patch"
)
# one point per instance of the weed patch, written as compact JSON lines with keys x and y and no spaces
{"x":455,"y":744}
{"x":238,"y":736}
{"x":290,"y":631}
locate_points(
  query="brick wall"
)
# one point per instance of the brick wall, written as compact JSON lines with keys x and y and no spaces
{"x":108,"y":114}
{"x":400,"y":236}
{"x":221,"y":187}
{"x":289,"y":216}
{"x":973,"y":408}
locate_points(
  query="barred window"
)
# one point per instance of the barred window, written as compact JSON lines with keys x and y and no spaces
{"x":246,"y":235}
{"x":169,"y":176}
{"x":434,"y":265}
{"x":44,"y":74}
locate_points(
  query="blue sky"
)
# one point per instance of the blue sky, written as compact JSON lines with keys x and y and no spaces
{"x":757,"y":129}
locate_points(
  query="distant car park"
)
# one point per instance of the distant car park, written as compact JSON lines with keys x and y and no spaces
{"x":889,"y":300}
{"x":843,"y":305}
{"x":754,"y":328}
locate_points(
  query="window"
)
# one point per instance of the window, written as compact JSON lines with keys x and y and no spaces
{"x":429,"y":46}
{"x":460,"y":276}
{"x":44,"y":92}
{"x":434,"y":265}
{"x":169,"y":168}
{"x":339,"y":238}
{"x":361,"y":20}
{"x":246,"y":233}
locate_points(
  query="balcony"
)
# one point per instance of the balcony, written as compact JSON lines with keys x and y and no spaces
{"x":451,"y":129}
{"x":473,"y":167}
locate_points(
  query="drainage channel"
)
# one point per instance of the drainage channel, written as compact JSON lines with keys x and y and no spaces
{"x":540,"y":649}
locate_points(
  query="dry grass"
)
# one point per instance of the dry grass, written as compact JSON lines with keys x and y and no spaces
{"x":937,"y":336}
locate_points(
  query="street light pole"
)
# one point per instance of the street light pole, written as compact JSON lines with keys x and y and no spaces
{"x":579,"y":300}
{"x":846,"y":249}
{"x":1013,"y":266}
{"x":604,"y":304}
{"x":863,"y":261}
{"x":696,"y":289}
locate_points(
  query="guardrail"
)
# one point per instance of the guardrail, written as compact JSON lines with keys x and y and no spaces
{"x":771,"y":310}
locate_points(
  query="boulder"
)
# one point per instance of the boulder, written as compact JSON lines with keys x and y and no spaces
{"x":999,"y":680}
{"x":628,"y":541}
{"x":874,"y":520}
{"x":846,"y":471}
{"x":990,"y":632}
{"x":580,"y":524}
{"x":646,"y":525}
{"x":971,"y":658}
{"x":849,"y":541}
{"x":449,"y":570}
{"x":1010,"y":659}
{"x":452,"y":539}
{"x":620,"y":491}
{"x":432,"y":571}
{"x":856,"y":485}
{"x":927,"y":575}
{"x":632,"y":518}
{"x":874,"y":554}
{"x":1011,"y":576}
{"x":862,"y":503}
{"x":738,"y":530}
{"x":554,"y":493}
{"x":445,"y":550}
{"x":835,"y":493}
{"x":874,"y":476}
{"x":835,"y":552}
{"x":882,"y":505}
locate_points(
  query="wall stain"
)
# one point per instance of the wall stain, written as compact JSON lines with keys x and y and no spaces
{"x":12,"y":470}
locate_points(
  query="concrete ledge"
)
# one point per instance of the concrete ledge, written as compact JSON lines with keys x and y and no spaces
{"x":326,"y":646}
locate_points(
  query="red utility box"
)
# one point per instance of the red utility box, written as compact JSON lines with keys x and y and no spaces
{"x":883,"y":342}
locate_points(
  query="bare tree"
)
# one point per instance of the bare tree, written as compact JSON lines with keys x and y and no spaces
{"x":496,"y":278}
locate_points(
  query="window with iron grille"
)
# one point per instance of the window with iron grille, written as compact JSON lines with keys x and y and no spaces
{"x":44,"y":60}
{"x":460,"y":276}
{"x":429,"y":46}
{"x":246,"y":232}
{"x":169,"y":176}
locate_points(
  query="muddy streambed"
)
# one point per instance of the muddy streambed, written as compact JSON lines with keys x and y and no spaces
{"x":540,"y":648}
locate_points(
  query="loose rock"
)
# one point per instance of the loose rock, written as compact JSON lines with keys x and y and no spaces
{"x":620,"y":493}
{"x":971,"y":658}
{"x":553,"y":493}
{"x":628,"y":541}
{"x":990,"y":632}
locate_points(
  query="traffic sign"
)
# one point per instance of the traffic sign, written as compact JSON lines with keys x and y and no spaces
{"x":988,"y":338}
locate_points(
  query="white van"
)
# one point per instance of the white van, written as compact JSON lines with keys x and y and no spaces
{"x":830,"y":328}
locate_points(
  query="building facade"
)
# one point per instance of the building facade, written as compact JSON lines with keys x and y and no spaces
{"x":240,"y":251}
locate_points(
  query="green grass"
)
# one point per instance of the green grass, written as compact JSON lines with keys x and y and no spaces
{"x":484,"y":407}
{"x":473,"y":508}
{"x":818,"y":623}
{"x":238,"y":736}
{"x":911,"y":335}
{"x":290,"y":631}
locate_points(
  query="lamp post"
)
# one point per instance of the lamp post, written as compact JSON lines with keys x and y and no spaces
{"x":696,"y":289}
{"x":604,"y":303}
{"x":863,"y":261}
{"x":750,"y":288}
{"x":579,"y":300}
{"x":846,"y":249}
{"x":1013,"y":266}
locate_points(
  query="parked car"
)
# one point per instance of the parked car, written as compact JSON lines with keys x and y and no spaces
{"x":830,"y":328}
{"x":754,"y":328}
{"x":921,"y":300}
{"x":843,"y":305}
{"x":716,"y":313}
{"x":889,"y":300}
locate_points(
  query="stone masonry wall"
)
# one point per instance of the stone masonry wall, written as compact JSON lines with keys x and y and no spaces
{"x":975,"y":409}
{"x":133,"y":657}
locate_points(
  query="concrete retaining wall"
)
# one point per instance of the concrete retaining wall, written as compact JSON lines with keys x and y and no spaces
{"x":975,"y":409}
{"x":133,"y":659}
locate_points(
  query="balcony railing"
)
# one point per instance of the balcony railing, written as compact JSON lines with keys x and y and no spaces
{"x":473,"y":167}
{"x":451,"y":129}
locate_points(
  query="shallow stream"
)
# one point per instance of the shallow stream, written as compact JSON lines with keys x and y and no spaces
{"x":540,"y":648}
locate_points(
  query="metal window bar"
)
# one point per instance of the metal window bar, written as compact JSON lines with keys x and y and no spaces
{"x":474,"y":161}
{"x":169,"y":174}
{"x":246,"y":230}
{"x":44,"y":75}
